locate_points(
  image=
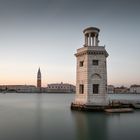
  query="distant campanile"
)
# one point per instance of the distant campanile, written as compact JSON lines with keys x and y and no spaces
{"x":39,"y":79}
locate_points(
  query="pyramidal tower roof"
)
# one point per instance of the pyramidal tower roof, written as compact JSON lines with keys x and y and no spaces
{"x":39,"y":69}
{"x":39,"y":72}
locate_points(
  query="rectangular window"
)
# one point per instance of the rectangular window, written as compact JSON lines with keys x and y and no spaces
{"x":81,"y":63}
{"x":95,"y":62}
{"x":95,"y":88}
{"x":81,"y":89}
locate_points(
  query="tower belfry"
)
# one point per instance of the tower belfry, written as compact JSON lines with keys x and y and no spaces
{"x":91,"y":74}
{"x":91,"y":36}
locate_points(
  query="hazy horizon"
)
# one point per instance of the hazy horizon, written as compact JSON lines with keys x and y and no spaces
{"x":46,"y":34}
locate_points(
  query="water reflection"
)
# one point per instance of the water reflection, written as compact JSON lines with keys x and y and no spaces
{"x":53,"y":118}
{"x":90,"y":126}
{"x":39,"y":117}
{"x":48,"y":117}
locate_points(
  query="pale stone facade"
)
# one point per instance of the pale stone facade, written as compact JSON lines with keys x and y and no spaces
{"x":135,"y":88}
{"x":19,"y":88}
{"x":61,"y":88}
{"x":91,"y":76}
{"x":121,"y":89}
{"x":111,"y":89}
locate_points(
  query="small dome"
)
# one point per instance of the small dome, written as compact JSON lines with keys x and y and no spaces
{"x":91,"y":29}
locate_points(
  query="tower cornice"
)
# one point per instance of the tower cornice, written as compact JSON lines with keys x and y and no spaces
{"x":99,"y":50}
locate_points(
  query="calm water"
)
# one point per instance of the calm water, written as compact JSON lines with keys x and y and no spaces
{"x":48,"y":117}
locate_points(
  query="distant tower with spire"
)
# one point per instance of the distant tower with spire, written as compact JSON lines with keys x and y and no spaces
{"x":39,"y":79}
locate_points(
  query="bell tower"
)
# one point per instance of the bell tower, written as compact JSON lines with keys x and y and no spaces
{"x":39,"y":79}
{"x":91,"y":73}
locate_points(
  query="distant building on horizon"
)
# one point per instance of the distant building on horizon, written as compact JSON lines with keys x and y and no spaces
{"x":121,"y":89}
{"x":135,"y":88}
{"x":110,"y":88}
{"x":39,"y":80}
{"x":51,"y":88}
{"x":60,"y":88}
{"x":18,"y":88}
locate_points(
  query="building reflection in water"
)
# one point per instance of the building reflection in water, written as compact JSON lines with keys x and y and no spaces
{"x":90,"y":125}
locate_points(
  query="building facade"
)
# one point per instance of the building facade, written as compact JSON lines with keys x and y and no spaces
{"x":91,"y":75}
{"x":61,"y":88}
{"x":18,"y":88}
{"x":121,"y":89}
{"x":135,"y":88}
{"x":111,"y":89}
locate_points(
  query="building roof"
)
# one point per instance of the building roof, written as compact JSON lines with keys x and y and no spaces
{"x":135,"y":86}
{"x":91,"y":28}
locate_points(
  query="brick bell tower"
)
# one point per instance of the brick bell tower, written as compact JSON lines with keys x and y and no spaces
{"x":91,"y":74}
{"x":39,"y":79}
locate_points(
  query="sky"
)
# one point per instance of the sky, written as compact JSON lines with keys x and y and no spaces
{"x":46,"y":34}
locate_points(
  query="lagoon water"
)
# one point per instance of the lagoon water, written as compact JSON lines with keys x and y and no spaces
{"x":48,"y":117}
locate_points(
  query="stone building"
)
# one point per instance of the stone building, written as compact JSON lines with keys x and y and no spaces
{"x":60,"y":88}
{"x":111,"y":89}
{"x":135,"y":88}
{"x":18,"y":88}
{"x":91,"y":75}
{"x":121,"y":89}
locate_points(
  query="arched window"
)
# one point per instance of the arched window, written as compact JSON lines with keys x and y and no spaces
{"x":95,"y":76}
